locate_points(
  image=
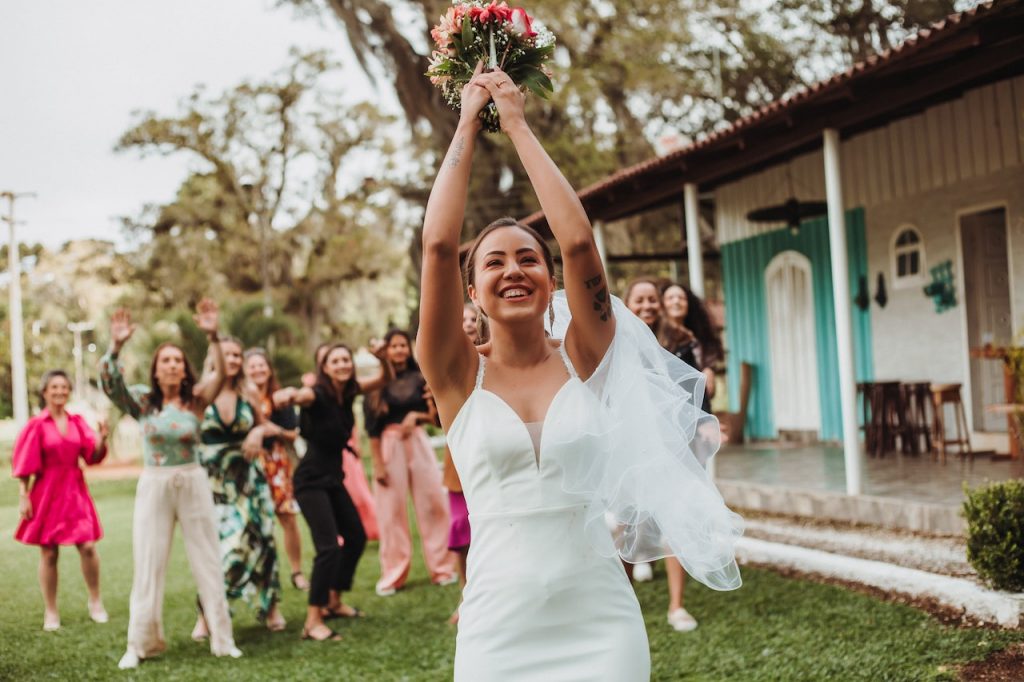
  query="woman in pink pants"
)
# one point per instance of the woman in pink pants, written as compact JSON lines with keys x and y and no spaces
{"x":406,"y":463}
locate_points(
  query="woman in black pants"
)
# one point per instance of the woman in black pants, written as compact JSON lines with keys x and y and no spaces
{"x":326,"y":423}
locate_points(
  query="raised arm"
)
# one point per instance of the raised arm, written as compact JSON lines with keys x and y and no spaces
{"x":586,"y":286}
{"x":111,"y":376}
{"x":446,"y":355}
{"x":205,"y":391}
{"x":386,"y":374}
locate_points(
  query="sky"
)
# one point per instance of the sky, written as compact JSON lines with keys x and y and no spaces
{"x":74,"y":71}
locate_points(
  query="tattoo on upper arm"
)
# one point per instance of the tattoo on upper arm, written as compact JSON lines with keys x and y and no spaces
{"x":457,"y":149}
{"x":602,"y":303}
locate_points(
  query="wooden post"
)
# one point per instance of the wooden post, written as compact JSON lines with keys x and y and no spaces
{"x":841,"y":300}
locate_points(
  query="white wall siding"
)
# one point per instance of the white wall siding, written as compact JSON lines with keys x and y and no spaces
{"x":909,"y":339}
{"x":969,"y":138}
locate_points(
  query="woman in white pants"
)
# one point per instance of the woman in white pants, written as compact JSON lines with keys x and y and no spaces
{"x":172,"y":487}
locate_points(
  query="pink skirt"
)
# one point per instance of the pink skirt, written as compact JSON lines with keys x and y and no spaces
{"x":458,"y":535}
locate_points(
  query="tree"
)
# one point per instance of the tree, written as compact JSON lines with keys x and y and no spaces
{"x":274,"y":154}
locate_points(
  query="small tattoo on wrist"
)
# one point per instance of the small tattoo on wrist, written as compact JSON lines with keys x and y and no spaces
{"x":457,"y":149}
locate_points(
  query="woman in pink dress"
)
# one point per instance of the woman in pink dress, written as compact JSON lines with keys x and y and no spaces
{"x":54,"y":504}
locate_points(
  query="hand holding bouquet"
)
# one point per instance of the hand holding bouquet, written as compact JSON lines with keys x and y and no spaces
{"x":502,"y":38}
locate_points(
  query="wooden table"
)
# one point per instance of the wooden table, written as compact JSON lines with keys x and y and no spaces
{"x":1011,"y":408}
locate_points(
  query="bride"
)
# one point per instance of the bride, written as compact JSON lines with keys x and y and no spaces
{"x":530,"y":418}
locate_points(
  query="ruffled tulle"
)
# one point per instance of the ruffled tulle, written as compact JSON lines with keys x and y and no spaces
{"x":647,"y":472}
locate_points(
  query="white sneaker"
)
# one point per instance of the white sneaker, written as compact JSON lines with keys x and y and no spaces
{"x":98,"y":614}
{"x":129,"y":661}
{"x":643,"y":572}
{"x":682,"y":621}
{"x":385,"y":591}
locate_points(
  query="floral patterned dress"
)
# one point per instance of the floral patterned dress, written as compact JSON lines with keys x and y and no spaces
{"x":276,"y":458}
{"x":246,"y":512}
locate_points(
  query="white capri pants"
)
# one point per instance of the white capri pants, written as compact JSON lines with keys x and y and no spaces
{"x":165,"y":495}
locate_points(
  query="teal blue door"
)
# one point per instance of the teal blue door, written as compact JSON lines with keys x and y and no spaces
{"x":748,"y":333}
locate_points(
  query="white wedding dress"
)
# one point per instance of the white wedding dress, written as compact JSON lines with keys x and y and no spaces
{"x":542,"y":602}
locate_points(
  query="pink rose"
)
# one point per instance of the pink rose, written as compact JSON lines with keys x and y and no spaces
{"x":522,"y":23}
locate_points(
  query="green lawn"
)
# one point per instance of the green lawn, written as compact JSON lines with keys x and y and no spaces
{"x":771,"y":629}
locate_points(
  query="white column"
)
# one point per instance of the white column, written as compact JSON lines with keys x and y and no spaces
{"x":599,"y":242}
{"x":695,"y":256}
{"x":841,"y":300}
{"x":81,"y":382}
{"x":18,"y":381}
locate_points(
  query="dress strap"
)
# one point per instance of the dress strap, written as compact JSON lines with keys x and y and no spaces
{"x":480,"y":371}
{"x":566,"y":360}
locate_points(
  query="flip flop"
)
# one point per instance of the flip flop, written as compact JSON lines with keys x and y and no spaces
{"x":328,"y":614}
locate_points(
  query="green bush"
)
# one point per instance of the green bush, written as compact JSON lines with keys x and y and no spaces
{"x":995,"y":533}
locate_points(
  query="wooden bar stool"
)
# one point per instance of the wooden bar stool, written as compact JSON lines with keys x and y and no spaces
{"x":917,"y":401}
{"x":887,"y":418}
{"x":943,"y":394}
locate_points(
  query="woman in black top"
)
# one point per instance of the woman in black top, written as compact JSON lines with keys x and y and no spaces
{"x":684,"y":309}
{"x":326,"y":424}
{"x":407,"y":464}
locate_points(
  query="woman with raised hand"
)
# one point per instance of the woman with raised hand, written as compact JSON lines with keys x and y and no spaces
{"x":326,"y":422}
{"x":173,"y":487}
{"x":539,"y":425}
{"x":232,"y":433}
{"x":276,"y":457}
{"x":53,"y":500}
{"x":407,"y":465}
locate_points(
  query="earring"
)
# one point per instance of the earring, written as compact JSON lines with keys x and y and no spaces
{"x":551,"y":312}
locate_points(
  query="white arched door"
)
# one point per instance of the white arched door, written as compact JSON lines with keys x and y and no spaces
{"x":789,"y":291}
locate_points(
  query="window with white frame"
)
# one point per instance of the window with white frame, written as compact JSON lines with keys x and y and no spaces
{"x":907,"y":257}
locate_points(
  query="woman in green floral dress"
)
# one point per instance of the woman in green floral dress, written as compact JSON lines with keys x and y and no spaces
{"x":232,"y":438}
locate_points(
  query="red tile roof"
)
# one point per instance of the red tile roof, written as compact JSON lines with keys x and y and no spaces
{"x":925,"y":38}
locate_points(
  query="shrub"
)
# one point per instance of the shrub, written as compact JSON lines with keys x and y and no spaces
{"x":995,"y":533}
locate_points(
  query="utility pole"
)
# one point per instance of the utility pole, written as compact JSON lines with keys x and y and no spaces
{"x":19,"y":383}
{"x":81,"y":381}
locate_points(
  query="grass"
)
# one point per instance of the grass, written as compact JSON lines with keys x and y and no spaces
{"x":773,"y":628}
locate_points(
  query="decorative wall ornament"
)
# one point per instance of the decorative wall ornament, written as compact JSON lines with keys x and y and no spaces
{"x":881,"y":298}
{"x":942,"y":290}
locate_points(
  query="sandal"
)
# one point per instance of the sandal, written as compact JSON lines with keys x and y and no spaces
{"x":330,"y":614}
{"x":332,"y":636}
{"x":304,"y":587}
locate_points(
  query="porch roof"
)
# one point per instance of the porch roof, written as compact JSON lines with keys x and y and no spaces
{"x":963,"y":51}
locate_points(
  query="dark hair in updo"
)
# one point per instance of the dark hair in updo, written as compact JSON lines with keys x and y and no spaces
{"x":469,"y":270}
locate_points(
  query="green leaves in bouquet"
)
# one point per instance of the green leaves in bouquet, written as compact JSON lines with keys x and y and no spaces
{"x":526,"y":70}
{"x":466,"y":39}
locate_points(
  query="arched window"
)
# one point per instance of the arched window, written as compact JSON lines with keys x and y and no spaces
{"x":907,"y":257}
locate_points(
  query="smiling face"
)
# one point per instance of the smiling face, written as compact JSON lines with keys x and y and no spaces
{"x":398,"y":350}
{"x":232,"y":358}
{"x":56,"y":392}
{"x":676,"y":303}
{"x":511,"y":281}
{"x":338,"y":365}
{"x":169,"y":366}
{"x":644,"y":302}
{"x":257,"y":370}
{"x":469,"y":318}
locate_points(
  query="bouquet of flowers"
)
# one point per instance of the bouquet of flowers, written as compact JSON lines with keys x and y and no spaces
{"x":502,"y":37}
